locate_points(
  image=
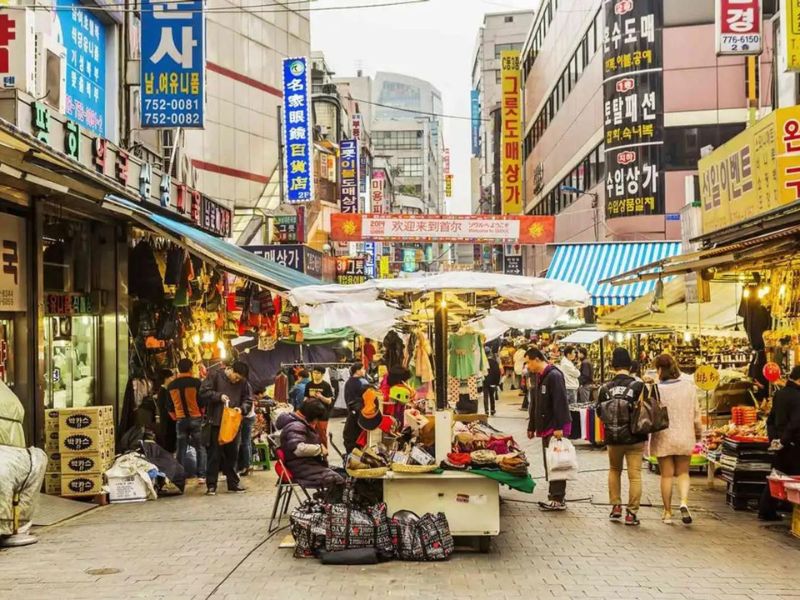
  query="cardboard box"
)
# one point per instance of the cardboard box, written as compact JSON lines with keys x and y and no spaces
{"x":85,"y":462}
{"x":88,"y":417}
{"x":126,"y":489}
{"x":51,"y":420}
{"x":84,"y":484}
{"x":52,"y":483}
{"x":86,"y":440}
{"x":53,"y":462}
{"x":51,"y":441}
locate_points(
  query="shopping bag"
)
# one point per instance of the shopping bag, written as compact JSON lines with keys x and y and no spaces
{"x":561,"y":455}
{"x":229,"y":426}
{"x":649,"y":415}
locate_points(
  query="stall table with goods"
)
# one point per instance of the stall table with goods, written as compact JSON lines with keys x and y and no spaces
{"x":453,"y":461}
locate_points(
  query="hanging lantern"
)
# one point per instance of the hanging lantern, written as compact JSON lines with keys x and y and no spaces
{"x":772,"y":372}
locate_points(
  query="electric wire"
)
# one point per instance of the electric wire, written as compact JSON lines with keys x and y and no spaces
{"x":419,"y":112}
{"x":265,"y":8}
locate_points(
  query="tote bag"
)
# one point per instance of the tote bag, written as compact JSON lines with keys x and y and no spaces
{"x":229,"y":426}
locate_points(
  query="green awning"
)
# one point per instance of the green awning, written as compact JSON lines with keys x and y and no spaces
{"x":215,"y":250}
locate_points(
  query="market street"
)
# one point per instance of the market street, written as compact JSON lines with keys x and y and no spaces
{"x":195,"y":547}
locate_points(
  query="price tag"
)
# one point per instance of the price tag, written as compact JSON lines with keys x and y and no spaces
{"x":706,"y":378}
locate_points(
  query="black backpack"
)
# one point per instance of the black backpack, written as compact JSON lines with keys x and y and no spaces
{"x":616,"y":412}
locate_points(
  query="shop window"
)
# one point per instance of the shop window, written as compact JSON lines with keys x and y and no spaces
{"x":71,"y":361}
{"x":508,"y":19}
{"x":682,"y":144}
{"x":67,"y":256}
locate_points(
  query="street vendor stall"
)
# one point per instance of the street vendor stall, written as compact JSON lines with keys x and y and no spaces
{"x":457,"y":312}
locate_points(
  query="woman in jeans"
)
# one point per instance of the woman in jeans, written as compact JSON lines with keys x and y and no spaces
{"x":674,"y":446}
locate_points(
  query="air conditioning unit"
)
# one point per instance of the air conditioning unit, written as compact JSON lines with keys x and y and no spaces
{"x":21,"y":73}
{"x":51,"y":72}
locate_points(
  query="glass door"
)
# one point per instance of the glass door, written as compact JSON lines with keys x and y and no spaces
{"x":71,"y":361}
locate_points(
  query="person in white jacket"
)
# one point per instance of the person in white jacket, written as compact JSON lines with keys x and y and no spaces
{"x":571,"y":373}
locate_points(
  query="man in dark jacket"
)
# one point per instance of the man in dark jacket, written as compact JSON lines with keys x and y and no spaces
{"x":226,"y":387}
{"x":184,"y":391}
{"x":615,"y":406}
{"x":548,"y":416}
{"x":783,"y":430}
{"x":305,"y":455}
{"x":353,"y":389}
{"x":587,"y":376}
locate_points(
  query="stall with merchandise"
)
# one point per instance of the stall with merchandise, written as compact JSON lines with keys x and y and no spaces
{"x":445,"y":319}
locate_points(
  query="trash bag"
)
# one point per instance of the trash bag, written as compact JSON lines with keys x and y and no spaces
{"x":166,"y":464}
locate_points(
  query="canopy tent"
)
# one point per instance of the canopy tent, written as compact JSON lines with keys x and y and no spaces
{"x":585,"y":336}
{"x":497,"y":322}
{"x":523,"y":290}
{"x":719,"y":315}
{"x":370,"y":319}
{"x":214,"y":250}
{"x":589,"y":264}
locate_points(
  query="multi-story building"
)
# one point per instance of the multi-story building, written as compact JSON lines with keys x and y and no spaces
{"x":500,"y":31}
{"x":704,"y":103}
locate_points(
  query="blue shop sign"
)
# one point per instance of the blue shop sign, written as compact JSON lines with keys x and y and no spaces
{"x":475,"y":104}
{"x":84,"y":38}
{"x":298,"y":131}
{"x":173,"y":63}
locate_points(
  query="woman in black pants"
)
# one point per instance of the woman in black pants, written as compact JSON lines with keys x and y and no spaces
{"x":490,"y":384}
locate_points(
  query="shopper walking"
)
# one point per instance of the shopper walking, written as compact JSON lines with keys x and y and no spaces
{"x":783,"y":429}
{"x":490,"y":385}
{"x":548,"y":417}
{"x":674,"y":446}
{"x":184,"y":392}
{"x":246,"y":445}
{"x":353,"y":389}
{"x":586,"y":379}
{"x":615,"y":402}
{"x":225,"y":387}
{"x":319,"y":389}
{"x":571,"y":373}
{"x":298,"y":392}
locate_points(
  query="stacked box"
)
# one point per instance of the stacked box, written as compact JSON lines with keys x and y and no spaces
{"x":52,"y":479}
{"x":86,"y":447}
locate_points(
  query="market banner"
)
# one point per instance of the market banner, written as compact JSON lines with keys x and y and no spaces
{"x":633,"y":107}
{"x":475,"y":105}
{"x":495,"y":229}
{"x":173,"y":64}
{"x":754,"y":172}
{"x":348,"y":176}
{"x":790,"y":25}
{"x":298,"y":131}
{"x":511,"y":133}
{"x":737,"y":25}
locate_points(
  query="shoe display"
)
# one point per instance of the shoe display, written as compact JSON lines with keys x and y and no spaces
{"x":616,"y":512}
{"x":631,"y":519}
{"x":686,"y":516}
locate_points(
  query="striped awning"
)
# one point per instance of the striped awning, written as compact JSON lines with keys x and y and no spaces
{"x":587,"y":264}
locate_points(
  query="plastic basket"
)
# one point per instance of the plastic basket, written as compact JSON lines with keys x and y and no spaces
{"x":793,"y":492}
{"x":777,"y":486}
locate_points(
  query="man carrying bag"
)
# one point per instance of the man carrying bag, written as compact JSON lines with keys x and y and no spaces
{"x":224,"y":392}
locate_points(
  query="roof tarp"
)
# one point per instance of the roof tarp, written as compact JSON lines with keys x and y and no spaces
{"x":583,"y":337}
{"x":588,"y":264}
{"x":217,"y":251}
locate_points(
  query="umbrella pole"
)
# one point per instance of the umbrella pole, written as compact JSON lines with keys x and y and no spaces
{"x":440,"y":349}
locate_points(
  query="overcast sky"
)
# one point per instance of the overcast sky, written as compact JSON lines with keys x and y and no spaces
{"x":433,"y":41}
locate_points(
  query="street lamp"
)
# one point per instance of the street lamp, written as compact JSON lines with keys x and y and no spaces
{"x":570,"y":189}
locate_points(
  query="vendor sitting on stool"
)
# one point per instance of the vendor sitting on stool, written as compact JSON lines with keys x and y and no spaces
{"x":305,"y":455}
{"x":783,"y":429}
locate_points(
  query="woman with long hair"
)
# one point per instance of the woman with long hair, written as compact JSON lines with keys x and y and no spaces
{"x":674,"y":446}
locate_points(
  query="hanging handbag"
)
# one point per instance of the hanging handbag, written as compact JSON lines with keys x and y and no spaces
{"x":649,"y":415}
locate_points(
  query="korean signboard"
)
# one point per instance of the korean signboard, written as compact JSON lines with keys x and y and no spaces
{"x":790,"y":24}
{"x":448,"y":186}
{"x":738,"y":27}
{"x":295,"y":256}
{"x":510,"y":133}
{"x":756,"y":171}
{"x":475,"y":105}
{"x":378,"y":189}
{"x":348,"y":176}
{"x":173,"y":64}
{"x":512,"y":265}
{"x":369,"y":259}
{"x":17,"y":55}
{"x":633,"y":107}
{"x":298,"y":130}
{"x":13,"y":269}
{"x":350,"y":270}
{"x":356,"y":126}
{"x":517,"y":229}
{"x":84,"y":37}
{"x":289,"y":229}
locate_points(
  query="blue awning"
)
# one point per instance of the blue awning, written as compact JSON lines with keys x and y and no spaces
{"x":215,"y":250}
{"x":587,"y":264}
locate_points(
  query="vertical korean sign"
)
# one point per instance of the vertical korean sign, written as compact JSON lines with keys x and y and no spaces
{"x":790,"y":24}
{"x":348,"y":176}
{"x":738,"y":27}
{"x":633,"y":107}
{"x":378,"y":188}
{"x":84,"y":37}
{"x":475,"y":105}
{"x":173,"y":63}
{"x":298,"y":131}
{"x":511,"y":134}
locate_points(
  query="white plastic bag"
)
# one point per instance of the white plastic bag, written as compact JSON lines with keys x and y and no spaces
{"x":561,"y":456}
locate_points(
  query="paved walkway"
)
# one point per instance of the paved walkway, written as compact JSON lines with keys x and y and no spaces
{"x":193,"y":547}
